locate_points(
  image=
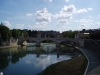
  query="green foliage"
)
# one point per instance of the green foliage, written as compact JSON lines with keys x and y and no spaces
{"x":15,"y":33}
{"x":70,"y":33}
{"x":4,"y":31}
{"x":25,"y":34}
{"x":48,"y":35}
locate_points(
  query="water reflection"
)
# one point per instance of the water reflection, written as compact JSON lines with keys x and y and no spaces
{"x":45,"y":60}
{"x":45,"y":46}
{"x":29,"y":60}
{"x":42,"y":62}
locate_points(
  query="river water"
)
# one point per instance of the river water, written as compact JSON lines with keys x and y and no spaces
{"x":28,"y":60}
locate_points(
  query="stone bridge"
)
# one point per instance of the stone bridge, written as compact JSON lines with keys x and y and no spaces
{"x":58,"y":41}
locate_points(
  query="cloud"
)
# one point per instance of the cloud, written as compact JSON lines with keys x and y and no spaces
{"x":66,"y":12}
{"x":81,"y":10}
{"x":82,"y":26}
{"x":36,"y":26}
{"x":72,"y":9}
{"x":97,"y":23}
{"x":63,"y":16}
{"x":7,"y":23}
{"x":69,"y":9}
{"x":43,"y":61}
{"x":66,"y":0}
{"x":39,"y":25}
{"x":48,"y":1}
{"x":19,"y":26}
{"x":84,"y":21}
{"x":29,"y":14}
{"x":62,"y":22}
{"x":90,"y":8}
{"x":43,"y":17}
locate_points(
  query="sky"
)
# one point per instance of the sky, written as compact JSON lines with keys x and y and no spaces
{"x":57,"y":15}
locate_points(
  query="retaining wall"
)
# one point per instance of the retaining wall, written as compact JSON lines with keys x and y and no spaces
{"x":93,"y":45}
{"x":8,"y":42}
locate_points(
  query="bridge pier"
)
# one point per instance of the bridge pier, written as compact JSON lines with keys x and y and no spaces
{"x":38,"y":44}
{"x":57,"y":44}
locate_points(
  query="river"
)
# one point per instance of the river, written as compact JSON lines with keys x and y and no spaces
{"x":30,"y":60}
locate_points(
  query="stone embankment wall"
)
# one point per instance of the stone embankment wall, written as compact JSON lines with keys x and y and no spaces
{"x":8,"y":42}
{"x":13,"y":42}
{"x":81,"y":42}
{"x":93,"y":45}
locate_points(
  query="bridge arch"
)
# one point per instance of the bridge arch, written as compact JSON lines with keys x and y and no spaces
{"x":73,"y":43}
{"x":49,"y":40}
{"x":58,"y":41}
{"x":27,"y":40}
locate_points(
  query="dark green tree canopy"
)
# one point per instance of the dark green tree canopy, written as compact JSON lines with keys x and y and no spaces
{"x":25,"y":34}
{"x":70,"y":33}
{"x":4,"y":31}
{"x":15,"y":33}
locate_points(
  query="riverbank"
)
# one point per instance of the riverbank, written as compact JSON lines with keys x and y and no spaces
{"x":75,"y":66}
{"x":1,"y":47}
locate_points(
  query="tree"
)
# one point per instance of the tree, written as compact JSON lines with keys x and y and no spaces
{"x":4,"y":31}
{"x":74,"y":32}
{"x":70,"y":33}
{"x":15,"y":33}
{"x":25,"y":34}
{"x":48,"y":35}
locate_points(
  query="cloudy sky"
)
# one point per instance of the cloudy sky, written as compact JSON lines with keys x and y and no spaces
{"x":59,"y":15}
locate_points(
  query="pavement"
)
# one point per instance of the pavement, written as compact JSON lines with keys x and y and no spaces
{"x":94,"y":62}
{"x":95,"y":71}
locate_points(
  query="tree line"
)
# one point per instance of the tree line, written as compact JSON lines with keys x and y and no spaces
{"x":6,"y":33}
{"x":70,"y":33}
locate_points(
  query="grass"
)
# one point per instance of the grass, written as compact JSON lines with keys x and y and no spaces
{"x":75,"y":66}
